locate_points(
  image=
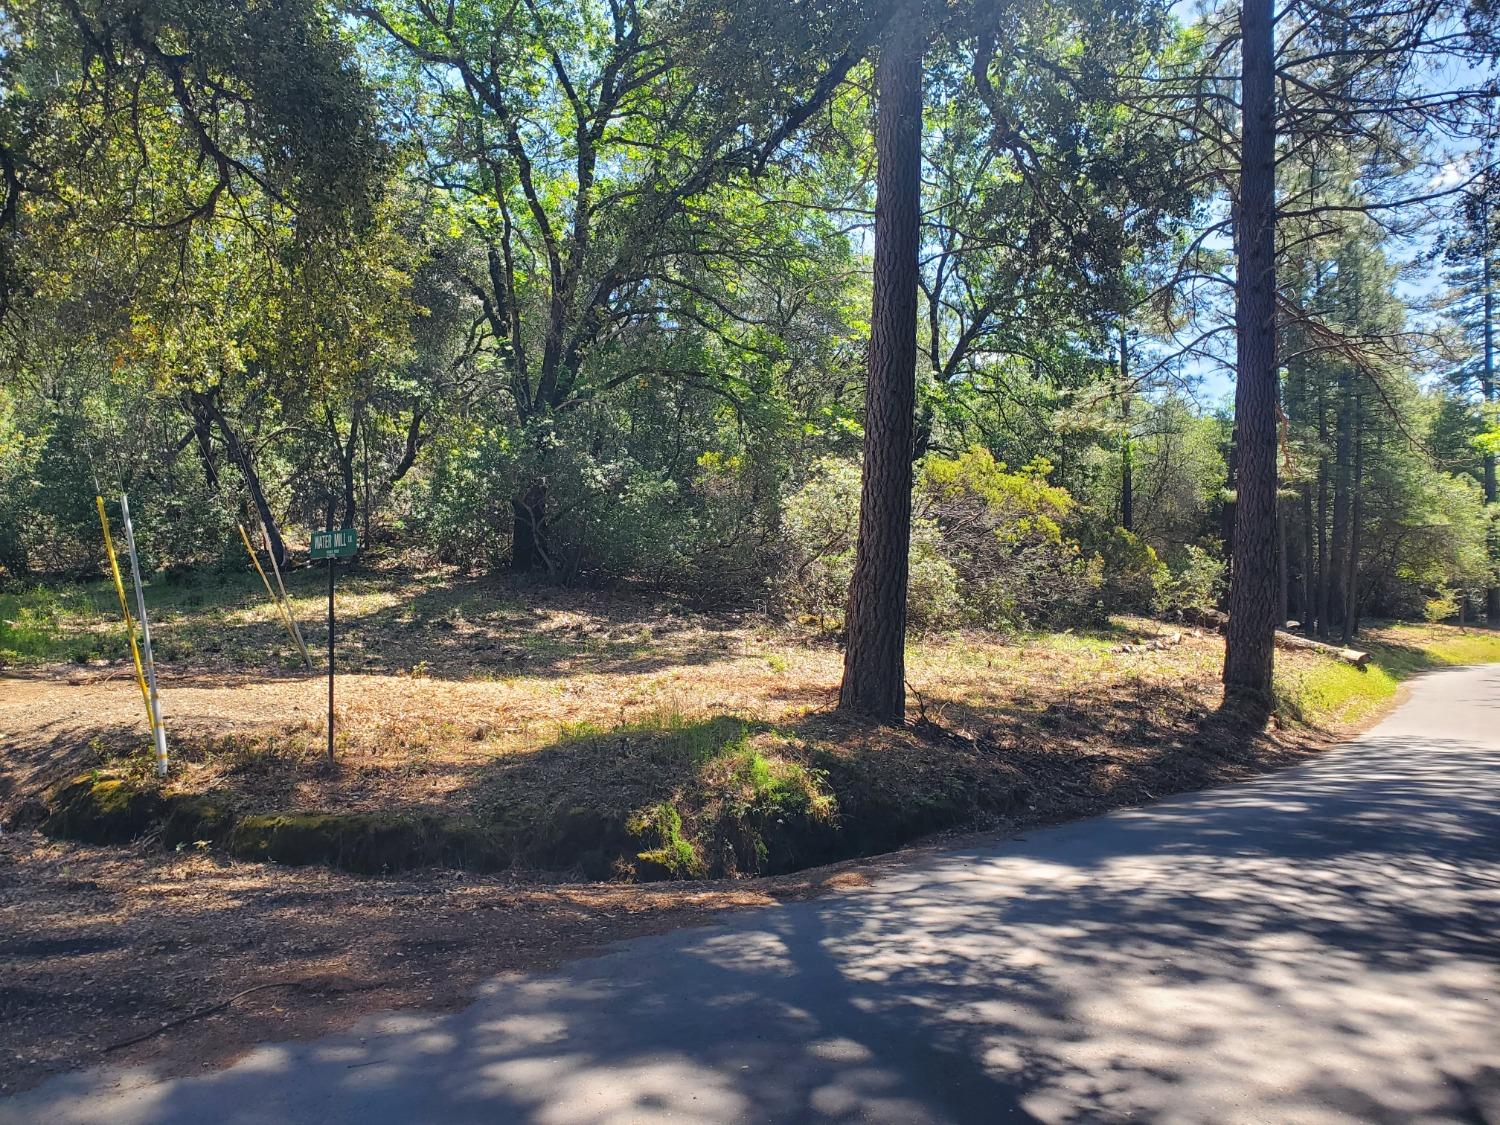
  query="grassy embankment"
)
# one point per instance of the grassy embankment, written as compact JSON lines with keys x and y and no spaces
{"x":490,"y":724}
{"x":1329,"y":693}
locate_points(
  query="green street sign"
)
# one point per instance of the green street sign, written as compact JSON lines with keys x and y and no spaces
{"x":338,"y":544}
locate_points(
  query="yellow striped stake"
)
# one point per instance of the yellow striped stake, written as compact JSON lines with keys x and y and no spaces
{"x":284,"y":611}
{"x":286,"y":601}
{"x":135,"y":652}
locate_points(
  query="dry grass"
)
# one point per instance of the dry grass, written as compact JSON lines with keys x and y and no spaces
{"x":430,"y":736}
{"x":465,"y":681}
{"x":460,"y":678}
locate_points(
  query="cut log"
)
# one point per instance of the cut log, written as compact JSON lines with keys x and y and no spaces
{"x":1348,"y":655}
{"x":1213,"y":619}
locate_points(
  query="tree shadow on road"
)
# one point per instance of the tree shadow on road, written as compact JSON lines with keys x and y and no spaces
{"x":1315,"y":943}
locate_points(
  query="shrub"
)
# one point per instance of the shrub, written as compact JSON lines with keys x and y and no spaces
{"x":1001,"y":531}
{"x":933,"y":598}
{"x":1196,"y":585}
{"x":465,"y":505}
{"x":819,"y":524}
{"x":1441,"y":606}
{"x":987,"y":547}
{"x":1133,"y":575}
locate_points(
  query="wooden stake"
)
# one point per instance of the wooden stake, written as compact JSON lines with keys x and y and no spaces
{"x":283,"y":610}
{"x":286,"y":601}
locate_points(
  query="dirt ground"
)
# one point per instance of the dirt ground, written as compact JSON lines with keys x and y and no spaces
{"x":99,"y":946}
{"x":103,"y":945}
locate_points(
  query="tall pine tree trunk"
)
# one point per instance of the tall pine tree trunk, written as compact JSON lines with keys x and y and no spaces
{"x":1488,"y":389}
{"x":1338,"y":548}
{"x":1309,"y":561}
{"x":875,"y":652}
{"x":1251,"y":632}
{"x":1356,"y":525}
{"x":1323,"y":563}
{"x":1127,"y":449}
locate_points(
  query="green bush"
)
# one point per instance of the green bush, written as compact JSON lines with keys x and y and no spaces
{"x":1001,"y":531}
{"x":819,"y":524}
{"x":1197,"y":584}
{"x":1133,"y":576}
{"x":987,"y":547}
{"x":1444,"y":604}
{"x":465,"y":512}
{"x":934,"y":599}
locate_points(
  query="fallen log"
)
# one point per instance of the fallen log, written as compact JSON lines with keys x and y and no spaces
{"x":1348,"y":655}
{"x":1213,"y":619}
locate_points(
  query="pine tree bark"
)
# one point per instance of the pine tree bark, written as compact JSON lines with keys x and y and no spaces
{"x":1488,"y":391}
{"x":1250,"y":642}
{"x":874,"y":682}
{"x":1338,"y":547}
{"x":1127,"y":450}
{"x":1309,"y":576}
{"x":1356,"y":524}
{"x":1323,"y":567}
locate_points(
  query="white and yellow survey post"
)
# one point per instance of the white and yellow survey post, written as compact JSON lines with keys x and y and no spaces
{"x":135,"y":652}
{"x":153,"y":701}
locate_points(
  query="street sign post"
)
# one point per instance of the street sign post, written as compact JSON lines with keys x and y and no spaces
{"x":340,"y":543}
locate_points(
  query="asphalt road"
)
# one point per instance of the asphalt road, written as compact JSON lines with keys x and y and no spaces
{"x":1317,"y":946}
